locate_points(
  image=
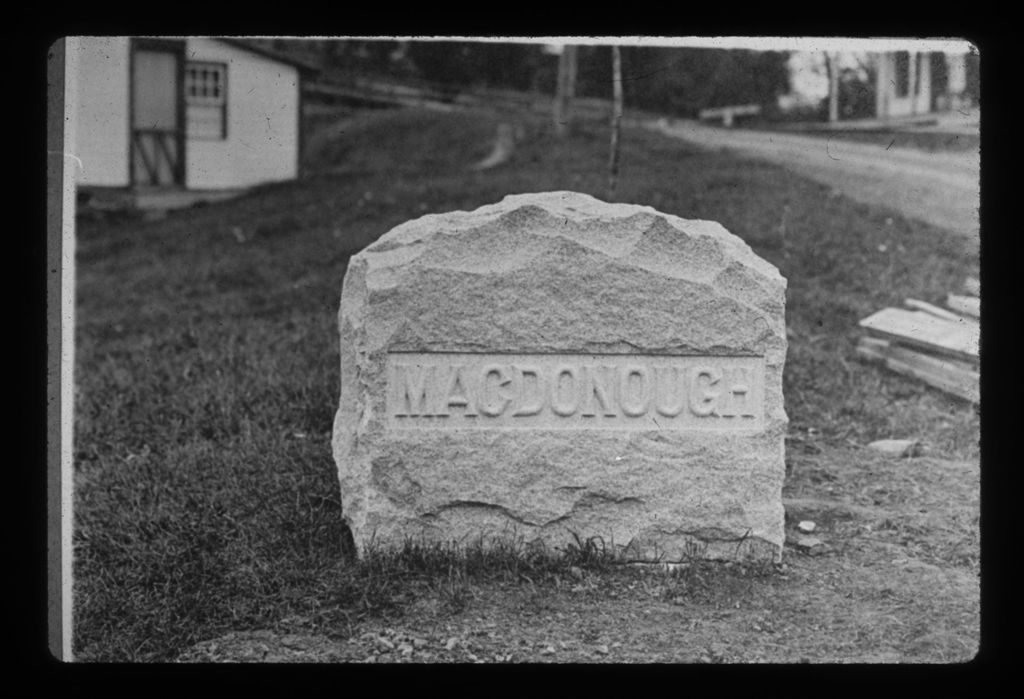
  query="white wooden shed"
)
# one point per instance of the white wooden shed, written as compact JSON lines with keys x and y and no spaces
{"x":183,"y":115}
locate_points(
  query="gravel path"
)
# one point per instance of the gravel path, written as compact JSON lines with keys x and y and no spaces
{"x":939,"y":188}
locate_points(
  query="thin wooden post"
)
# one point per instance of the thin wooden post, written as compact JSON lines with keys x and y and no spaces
{"x":831,"y":64}
{"x":613,"y":158}
{"x":566,"y":90}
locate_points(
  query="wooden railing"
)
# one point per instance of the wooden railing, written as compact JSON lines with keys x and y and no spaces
{"x":728,"y":114}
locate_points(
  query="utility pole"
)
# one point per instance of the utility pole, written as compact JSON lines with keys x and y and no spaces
{"x":613,"y":158}
{"x":831,"y":65}
{"x":566,"y":89}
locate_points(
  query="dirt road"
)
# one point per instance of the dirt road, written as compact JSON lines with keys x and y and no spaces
{"x":939,"y":188}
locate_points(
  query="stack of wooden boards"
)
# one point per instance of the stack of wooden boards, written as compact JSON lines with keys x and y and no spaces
{"x":932,"y":344}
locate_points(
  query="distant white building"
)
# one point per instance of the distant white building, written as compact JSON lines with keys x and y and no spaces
{"x":905,"y":83}
{"x":905,"y":86}
{"x":193,"y":114}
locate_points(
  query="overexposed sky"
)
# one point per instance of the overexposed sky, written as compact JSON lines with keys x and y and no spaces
{"x":762,"y":43}
{"x":807,"y":73}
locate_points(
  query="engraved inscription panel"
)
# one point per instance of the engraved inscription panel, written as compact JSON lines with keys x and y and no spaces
{"x":574,"y":391}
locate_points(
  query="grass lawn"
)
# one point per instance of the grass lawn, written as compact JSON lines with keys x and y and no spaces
{"x":207,"y":503}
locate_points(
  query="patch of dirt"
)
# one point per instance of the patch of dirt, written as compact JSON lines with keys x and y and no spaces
{"x":895,"y":579}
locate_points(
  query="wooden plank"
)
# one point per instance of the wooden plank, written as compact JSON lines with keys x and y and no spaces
{"x":970,"y":305}
{"x":960,"y":387}
{"x":934,"y":310}
{"x":972,"y":286}
{"x":151,"y":171}
{"x":923,"y":330}
{"x":873,"y":342}
{"x":951,"y":377}
{"x":168,"y":152}
{"x":908,"y":355}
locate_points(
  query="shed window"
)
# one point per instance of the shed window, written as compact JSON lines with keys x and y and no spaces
{"x":206,"y":99}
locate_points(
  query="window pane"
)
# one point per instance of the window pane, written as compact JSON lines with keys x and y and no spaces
{"x":204,"y":84}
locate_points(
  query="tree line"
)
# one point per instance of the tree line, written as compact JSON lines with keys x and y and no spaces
{"x":678,"y":81}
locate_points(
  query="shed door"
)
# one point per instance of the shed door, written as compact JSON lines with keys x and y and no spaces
{"x":157,"y":146}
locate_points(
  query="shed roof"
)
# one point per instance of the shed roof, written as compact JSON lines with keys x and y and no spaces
{"x":246,"y":45}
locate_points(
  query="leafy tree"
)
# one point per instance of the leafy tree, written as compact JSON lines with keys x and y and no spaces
{"x":682,"y":81}
{"x":468,"y":64}
{"x":857,"y":93}
{"x":679,"y":81}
